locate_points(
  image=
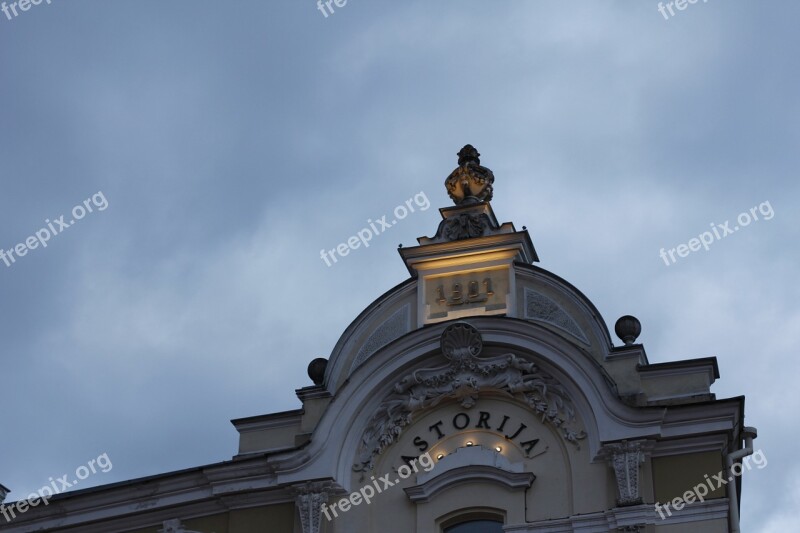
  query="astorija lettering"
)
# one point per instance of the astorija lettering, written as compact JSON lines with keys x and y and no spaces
{"x":485,"y":420}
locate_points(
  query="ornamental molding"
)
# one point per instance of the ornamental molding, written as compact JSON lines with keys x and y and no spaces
{"x":626,"y":458}
{"x":543,"y":308}
{"x":309,"y":498}
{"x":394,"y":327}
{"x":615,"y":519}
{"x":463,"y":379}
{"x":632,"y":518}
{"x":468,"y":474}
{"x":467,"y":222}
{"x":468,"y":465}
{"x":464,"y":226}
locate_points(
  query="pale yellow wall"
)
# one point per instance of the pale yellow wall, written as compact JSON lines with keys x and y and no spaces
{"x":675,"y":474}
{"x":275,"y":519}
{"x":208,"y":524}
{"x":272,"y":519}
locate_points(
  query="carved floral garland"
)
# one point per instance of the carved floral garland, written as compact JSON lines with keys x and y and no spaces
{"x":462,"y":379}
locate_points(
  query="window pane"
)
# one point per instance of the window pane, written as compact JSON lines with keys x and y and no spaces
{"x":477,"y":526}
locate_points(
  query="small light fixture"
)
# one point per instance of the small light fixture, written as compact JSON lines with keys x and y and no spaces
{"x":439,"y":457}
{"x":498,"y":449}
{"x":469,"y":443}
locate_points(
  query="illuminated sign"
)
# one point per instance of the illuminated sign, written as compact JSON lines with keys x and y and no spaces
{"x":464,"y":422}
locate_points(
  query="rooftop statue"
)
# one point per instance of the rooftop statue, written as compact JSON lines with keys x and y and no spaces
{"x":470,"y":183}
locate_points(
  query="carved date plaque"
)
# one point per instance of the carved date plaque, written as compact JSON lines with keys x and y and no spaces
{"x":467,"y":293}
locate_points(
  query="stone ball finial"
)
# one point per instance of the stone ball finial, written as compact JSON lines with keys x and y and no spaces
{"x":628,"y":328}
{"x":470,"y":183}
{"x":316,"y":370}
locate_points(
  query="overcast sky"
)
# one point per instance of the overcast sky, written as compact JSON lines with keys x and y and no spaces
{"x":231,"y":141}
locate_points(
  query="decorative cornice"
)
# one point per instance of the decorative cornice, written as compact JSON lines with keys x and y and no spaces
{"x":616,"y":519}
{"x":270,"y":421}
{"x":201,"y":491}
{"x":712,"y":442}
{"x":462,"y":380}
{"x":313,"y":392}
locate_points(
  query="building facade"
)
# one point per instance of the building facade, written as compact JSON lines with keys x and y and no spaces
{"x":483,"y":394}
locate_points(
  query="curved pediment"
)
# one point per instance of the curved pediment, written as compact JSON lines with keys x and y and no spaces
{"x":538,"y":296}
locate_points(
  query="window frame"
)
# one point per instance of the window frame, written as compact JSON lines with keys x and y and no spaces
{"x":470,"y":516}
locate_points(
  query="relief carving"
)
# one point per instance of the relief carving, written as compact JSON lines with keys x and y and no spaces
{"x":462,"y":379}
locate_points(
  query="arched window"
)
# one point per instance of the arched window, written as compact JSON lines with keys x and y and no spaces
{"x":476,"y":526}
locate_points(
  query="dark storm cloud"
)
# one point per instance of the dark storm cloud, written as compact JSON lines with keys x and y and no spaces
{"x":235,"y":140}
